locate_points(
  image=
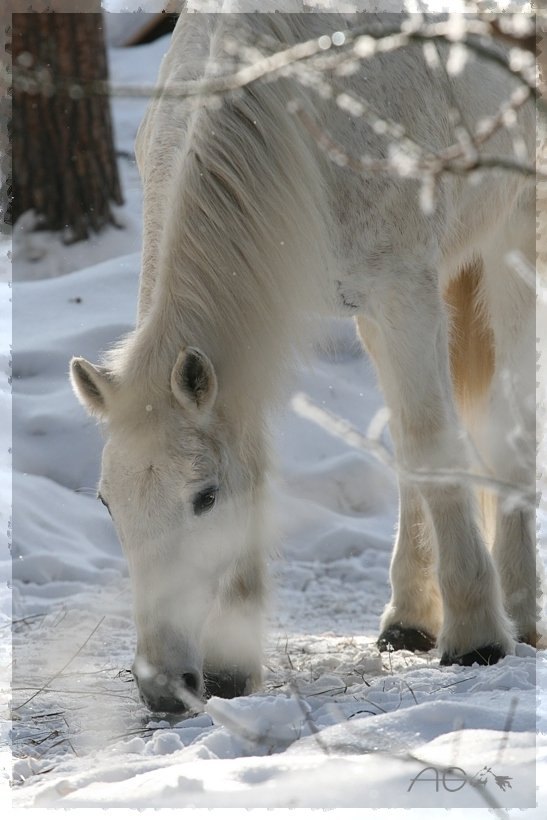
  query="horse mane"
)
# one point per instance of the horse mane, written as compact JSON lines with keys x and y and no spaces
{"x":243,"y":245}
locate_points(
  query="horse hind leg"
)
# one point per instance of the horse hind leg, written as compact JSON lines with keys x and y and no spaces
{"x":508,"y":429}
{"x":411,"y":351}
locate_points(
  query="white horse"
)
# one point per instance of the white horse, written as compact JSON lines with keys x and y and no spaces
{"x":249,"y":225}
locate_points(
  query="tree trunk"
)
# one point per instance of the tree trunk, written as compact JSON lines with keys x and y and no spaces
{"x":64,"y":164}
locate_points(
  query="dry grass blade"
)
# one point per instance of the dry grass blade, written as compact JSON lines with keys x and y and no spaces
{"x":454,"y":683}
{"x":314,"y":730}
{"x":507,"y":728}
{"x":411,"y":690}
{"x":44,"y":687}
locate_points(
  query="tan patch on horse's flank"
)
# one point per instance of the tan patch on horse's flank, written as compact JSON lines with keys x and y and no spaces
{"x":472,"y":362}
{"x":472,"y":353}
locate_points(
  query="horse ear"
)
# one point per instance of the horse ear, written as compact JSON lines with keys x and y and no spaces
{"x":93,"y":385}
{"x":193,"y":380}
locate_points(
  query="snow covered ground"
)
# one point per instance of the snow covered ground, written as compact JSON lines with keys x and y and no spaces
{"x":336,"y":724}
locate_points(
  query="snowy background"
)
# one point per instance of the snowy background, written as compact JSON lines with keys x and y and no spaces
{"x":336,"y":724}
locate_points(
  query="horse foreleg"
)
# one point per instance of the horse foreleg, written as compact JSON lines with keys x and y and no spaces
{"x":413,"y":617}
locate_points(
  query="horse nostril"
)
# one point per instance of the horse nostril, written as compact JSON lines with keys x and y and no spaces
{"x":191,"y":682}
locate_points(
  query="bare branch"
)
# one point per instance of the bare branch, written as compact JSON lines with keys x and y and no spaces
{"x":336,"y":426}
{"x":361,"y":43}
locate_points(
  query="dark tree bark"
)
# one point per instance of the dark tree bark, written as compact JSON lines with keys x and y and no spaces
{"x":63,"y":159}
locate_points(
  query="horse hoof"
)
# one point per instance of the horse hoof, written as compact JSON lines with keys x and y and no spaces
{"x":530,"y":638}
{"x":485,"y":656}
{"x":405,"y":637}
{"x":226,"y":684}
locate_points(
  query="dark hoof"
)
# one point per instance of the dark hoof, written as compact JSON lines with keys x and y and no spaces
{"x":485,"y":656}
{"x":530,"y":638}
{"x":226,"y":684}
{"x":405,"y":637}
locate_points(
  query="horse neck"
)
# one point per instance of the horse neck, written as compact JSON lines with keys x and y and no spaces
{"x":245,"y":355}
{"x":244,"y":248}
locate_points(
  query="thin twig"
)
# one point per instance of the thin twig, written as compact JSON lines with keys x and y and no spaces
{"x":24,"y":620}
{"x":362,"y":42}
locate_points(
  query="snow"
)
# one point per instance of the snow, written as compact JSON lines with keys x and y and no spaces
{"x":336,"y":725}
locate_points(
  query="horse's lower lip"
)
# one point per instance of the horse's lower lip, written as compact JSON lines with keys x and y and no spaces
{"x":164,"y":694}
{"x":166,"y":705}
{"x":168,"y":702}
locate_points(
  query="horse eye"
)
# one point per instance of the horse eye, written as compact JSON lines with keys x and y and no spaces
{"x":205,"y":500}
